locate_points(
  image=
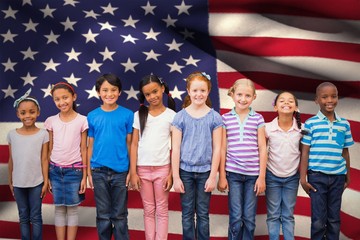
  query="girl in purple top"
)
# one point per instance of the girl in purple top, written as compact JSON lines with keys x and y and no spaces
{"x":243,"y":160}
{"x":196,"y":139}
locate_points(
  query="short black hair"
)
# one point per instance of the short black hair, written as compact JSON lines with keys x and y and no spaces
{"x":111,"y":78}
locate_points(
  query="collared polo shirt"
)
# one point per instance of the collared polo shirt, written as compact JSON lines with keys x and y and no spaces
{"x":283,"y":148}
{"x":327,"y":140}
{"x":242,"y":155}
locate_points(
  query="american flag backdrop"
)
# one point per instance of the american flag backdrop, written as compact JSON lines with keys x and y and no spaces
{"x":280,"y":44}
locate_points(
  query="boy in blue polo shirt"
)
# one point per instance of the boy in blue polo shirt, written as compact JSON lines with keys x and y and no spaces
{"x":325,"y":160}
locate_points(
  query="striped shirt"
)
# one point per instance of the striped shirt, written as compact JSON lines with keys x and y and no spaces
{"x":327,"y":140}
{"x":242,"y":155}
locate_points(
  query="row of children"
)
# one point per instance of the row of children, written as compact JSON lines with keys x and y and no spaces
{"x":114,"y":149}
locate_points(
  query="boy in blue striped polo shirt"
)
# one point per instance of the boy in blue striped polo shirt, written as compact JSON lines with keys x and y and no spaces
{"x":325,"y":161}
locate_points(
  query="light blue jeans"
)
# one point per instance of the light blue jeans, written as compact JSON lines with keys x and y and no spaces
{"x":281,"y":196}
{"x":242,"y":206}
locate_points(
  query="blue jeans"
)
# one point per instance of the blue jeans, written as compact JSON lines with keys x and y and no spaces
{"x":111,"y":203}
{"x":242,"y":206}
{"x":195,"y":200}
{"x":281,"y":196}
{"x":29,"y":206}
{"x":325,"y":205}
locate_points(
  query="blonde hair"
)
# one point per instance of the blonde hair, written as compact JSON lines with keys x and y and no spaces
{"x":196,"y":76}
{"x":241,"y":82}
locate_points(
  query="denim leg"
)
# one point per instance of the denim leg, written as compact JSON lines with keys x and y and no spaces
{"x":119,"y":212}
{"x":21,"y":197}
{"x":336,"y":188}
{"x":273,"y":202}
{"x":235,"y":202}
{"x":35,"y":211}
{"x":319,"y":202}
{"x":102,"y":194}
{"x":249,"y":207}
{"x":202,"y":206}
{"x":188,"y":205}
{"x":289,"y":195}
{"x":29,"y":206}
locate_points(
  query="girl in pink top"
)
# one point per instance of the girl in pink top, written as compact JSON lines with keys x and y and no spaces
{"x":283,"y":136}
{"x":68,"y":133}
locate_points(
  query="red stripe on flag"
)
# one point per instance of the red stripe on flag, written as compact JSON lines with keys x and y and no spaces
{"x":346,"y":9}
{"x":275,"y":81}
{"x":269,"y":46}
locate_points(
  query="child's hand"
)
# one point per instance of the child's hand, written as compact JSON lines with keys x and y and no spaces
{"x":210,"y":184}
{"x":222,"y":185}
{"x":135,"y":182}
{"x":127,"y":181}
{"x":347,"y":180}
{"x":168,"y":182}
{"x":50,"y":187}
{"x":260,"y":186}
{"x":307,"y":187}
{"x":44,"y":189}
{"x":12,"y":189}
{"x":179,"y":186}
{"x":82,"y":186}
{"x":90,"y":181}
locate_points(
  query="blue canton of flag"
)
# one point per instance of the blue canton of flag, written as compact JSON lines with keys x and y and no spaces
{"x":44,"y":42}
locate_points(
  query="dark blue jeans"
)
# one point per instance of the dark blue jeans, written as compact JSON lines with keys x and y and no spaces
{"x":111,"y":203}
{"x":242,"y":206}
{"x":29,"y":206}
{"x":195,"y":200}
{"x":325,"y":205}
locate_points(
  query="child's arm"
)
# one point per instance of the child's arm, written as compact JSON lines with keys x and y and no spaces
{"x":50,"y":148}
{"x":304,"y":168}
{"x":216,"y":148}
{"x":175,"y":159}
{"x":88,"y":158}
{"x":45,"y":168}
{"x":134,"y":178}
{"x":260,"y":184}
{"x":128,"y":144}
{"x":346,"y":156}
{"x":83,"y":152}
{"x":10,"y":167}
{"x":222,"y":184}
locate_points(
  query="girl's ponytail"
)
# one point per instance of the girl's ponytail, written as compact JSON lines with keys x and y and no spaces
{"x":171,"y":101}
{"x":298,"y":122}
{"x":143,"y":112}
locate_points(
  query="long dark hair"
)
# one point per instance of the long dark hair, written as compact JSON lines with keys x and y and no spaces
{"x":144,"y":110}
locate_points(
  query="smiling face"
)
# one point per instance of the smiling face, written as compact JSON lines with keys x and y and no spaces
{"x":27,"y":112}
{"x":108,"y":93}
{"x":286,"y":103}
{"x":153,"y":93}
{"x":243,"y":96}
{"x":64,"y":99}
{"x":327,"y":98}
{"x":198,"y":91}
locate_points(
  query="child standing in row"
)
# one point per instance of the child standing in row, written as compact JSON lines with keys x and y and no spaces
{"x":325,"y":163}
{"x":28,"y":166}
{"x":150,"y":155}
{"x":110,"y":128}
{"x":243,"y":160}
{"x":282,"y":177}
{"x":68,"y":133}
{"x":196,"y":139}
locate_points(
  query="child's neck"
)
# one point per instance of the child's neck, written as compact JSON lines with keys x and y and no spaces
{"x":28,"y":130}
{"x":285,"y":121}
{"x":68,"y":116}
{"x":330,"y":115}
{"x":197,"y":111}
{"x":108,"y":107}
{"x":242,"y":113}
{"x":156,"y":110}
